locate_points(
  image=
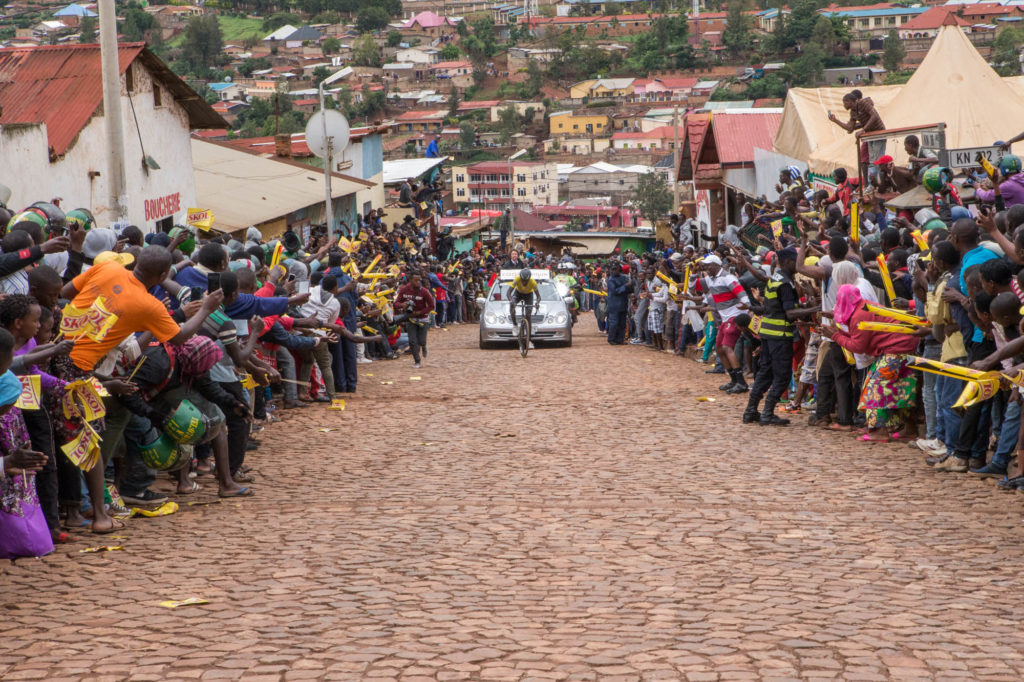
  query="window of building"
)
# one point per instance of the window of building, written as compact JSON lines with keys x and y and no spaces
{"x":460,"y":192}
{"x":157,"y":96}
{"x":520,"y":177}
{"x":575,"y":126}
{"x":521,"y":192}
{"x":460,"y":178}
{"x":129,"y":79}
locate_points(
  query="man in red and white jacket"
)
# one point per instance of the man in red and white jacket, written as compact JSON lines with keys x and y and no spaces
{"x":418,"y":302}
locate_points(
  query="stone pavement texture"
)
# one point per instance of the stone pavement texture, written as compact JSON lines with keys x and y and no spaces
{"x":577,"y":515}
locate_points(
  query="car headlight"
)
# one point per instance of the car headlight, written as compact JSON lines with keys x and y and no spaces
{"x":504,"y":319}
{"x":491,"y":318}
{"x":550,"y":319}
{"x":560,"y":318}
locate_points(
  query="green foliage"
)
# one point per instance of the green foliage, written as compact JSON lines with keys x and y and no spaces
{"x":652,"y":196}
{"x":509,"y":123}
{"x":453,"y":101}
{"x":327,"y":17}
{"x":893,"y":54}
{"x":530,"y":88}
{"x":203,"y":42}
{"x":372,"y":19}
{"x":365,"y":51}
{"x":807,"y":70}
{"x":612,"y":9}
{"x":450,"y":52}
{"x":1005,"y":51}
{"x":467,"y":135}
{"x":265,"y":116}
{"x":736,"y":36}
{"x":394,"y":39}
{"x":769,"y":87}
{"x":249,"y":65}
{"x":823,"y":35}
{"x":320,"y":74}
{"x":279,"y":19}
{"x":664,"y":46}
{"x":136,"y":23}
{"x":87,"y":30}
{"x":330,"y":45}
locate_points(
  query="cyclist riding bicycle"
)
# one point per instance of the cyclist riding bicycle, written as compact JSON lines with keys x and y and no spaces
{"x":523,"y":289}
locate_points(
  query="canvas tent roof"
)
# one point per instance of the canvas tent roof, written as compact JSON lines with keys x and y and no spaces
{"x":953,"y":85}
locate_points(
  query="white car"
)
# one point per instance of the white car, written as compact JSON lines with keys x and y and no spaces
{"x":552,"y":321}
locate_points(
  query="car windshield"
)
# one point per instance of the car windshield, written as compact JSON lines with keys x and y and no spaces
{"x":548,"y":292}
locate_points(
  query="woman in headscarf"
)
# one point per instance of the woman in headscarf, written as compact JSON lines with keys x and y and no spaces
{"x":888,"y":393}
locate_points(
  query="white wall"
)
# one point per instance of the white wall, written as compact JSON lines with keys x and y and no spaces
{"x":165,"y":134}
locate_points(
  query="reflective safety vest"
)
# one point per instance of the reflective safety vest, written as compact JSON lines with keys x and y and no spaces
{"x":774,"y":324}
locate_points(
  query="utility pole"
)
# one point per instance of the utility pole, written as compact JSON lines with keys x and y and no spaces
{"x":116,"y":178}
{"x":328,"y":167}
{"x":675,"y":160}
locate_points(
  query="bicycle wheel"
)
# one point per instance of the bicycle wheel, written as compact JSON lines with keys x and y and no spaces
{"x":524,"y":336}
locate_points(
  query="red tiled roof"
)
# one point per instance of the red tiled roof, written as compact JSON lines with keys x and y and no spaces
{"x":696,"y":129}
{"x":210,"y":134}
{"x":528,"y":222}
{"x":428,"y":20}
{"x":659,"y":133}
{"x":265,"y":145}
{"x":986,"y":8}
{"x":485,"y":104}
{"x":450,"y":65}
{"x":933,"y":18}
{"x":311,"y":102}
{"x":61,"y":86}
{"x":736,"y":135}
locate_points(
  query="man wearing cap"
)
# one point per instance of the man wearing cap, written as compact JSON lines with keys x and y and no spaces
{"x":618,"y":288}
{"x":889,"y":180}
{"x":775,"y":369}
{"x":727,"y":299}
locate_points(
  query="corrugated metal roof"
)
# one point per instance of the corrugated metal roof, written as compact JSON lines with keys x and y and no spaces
{"x":61,"y":86}
{"x":243,"y":189}
{"x":736,"y":135}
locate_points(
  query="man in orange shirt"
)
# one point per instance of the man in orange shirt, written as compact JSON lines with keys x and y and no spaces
{"x":126,"y":294}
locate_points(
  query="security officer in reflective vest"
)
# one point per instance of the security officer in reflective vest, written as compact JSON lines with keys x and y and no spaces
{"x":776,"y":366}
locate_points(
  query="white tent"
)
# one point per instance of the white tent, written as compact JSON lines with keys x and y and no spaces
{"x":953,"y":85}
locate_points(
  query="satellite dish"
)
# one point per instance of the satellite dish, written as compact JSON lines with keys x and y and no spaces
{"x":337,"y":129}
{"x":227,"y":79}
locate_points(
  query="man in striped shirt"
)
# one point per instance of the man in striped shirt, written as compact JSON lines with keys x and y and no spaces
{"x":727,"y":299}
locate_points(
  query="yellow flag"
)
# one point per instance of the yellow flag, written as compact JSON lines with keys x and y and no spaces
{"x":31,"y":387}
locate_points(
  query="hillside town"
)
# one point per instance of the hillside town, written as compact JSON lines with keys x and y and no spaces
{"x":589,"y":97}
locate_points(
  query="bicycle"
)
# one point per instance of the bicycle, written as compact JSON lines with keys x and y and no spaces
{"x":525,"y":328}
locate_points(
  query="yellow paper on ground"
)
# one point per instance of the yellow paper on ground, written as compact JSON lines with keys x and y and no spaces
{"x":191,"y":601}
{"x":101,"y":548}
{"x":165,"y":509}
{"x":337,"y":404}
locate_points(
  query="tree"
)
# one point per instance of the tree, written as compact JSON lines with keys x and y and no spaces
{"x":508,"y":123}
{"x":652,"y":196}
{"x":372,"y":19}
{"x":664,"y":46}
{"x":453,"y":102}
{"x":136,"y":23}
{"x":394,"y":39}
{"x":450,"y":52}
{"x":87,"y":30}
{"x":365,"y":51}
{"x":249,"y":65}
{"x":467,"y":135}
{"x":330,"y":45}
{"x":824,"y":35}
{"x":320,"y":74}
{"x":534,"y":80}
{"x":736,"y":36}
{"x":1005,"y":51}
{"x":808,"y":69}
{"x":279,"y":19}
{"x":893,"y":54}
{"x":203,"y":41}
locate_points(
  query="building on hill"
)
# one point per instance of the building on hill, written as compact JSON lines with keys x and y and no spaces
{"x":487,"y":184}
{"x":579,"y":122}
{"x":618,"y":25}
{"x":60,"y":148}
{"x":430,"y":25}
{"x":602,"y":88}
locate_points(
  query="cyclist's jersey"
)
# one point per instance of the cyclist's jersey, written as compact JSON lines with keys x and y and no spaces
{"x":522,"y":287}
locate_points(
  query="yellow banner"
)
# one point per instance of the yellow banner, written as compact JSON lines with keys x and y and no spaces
{"x":855,"y":221}
{"x":883,"y":268}
{"x":84,"y":450}
{"x":94,"y":322}
{"x":899,"y":315}
{"x":200,"y":217}
{"x":887,"y":327}
{"x":31,"y":388}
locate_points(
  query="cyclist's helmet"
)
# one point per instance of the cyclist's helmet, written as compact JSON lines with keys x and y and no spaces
{"x":1009,"y":164}
{"x":524,"y":274}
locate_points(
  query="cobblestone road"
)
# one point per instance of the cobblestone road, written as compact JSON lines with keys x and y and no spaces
{"x":533,"y":519}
